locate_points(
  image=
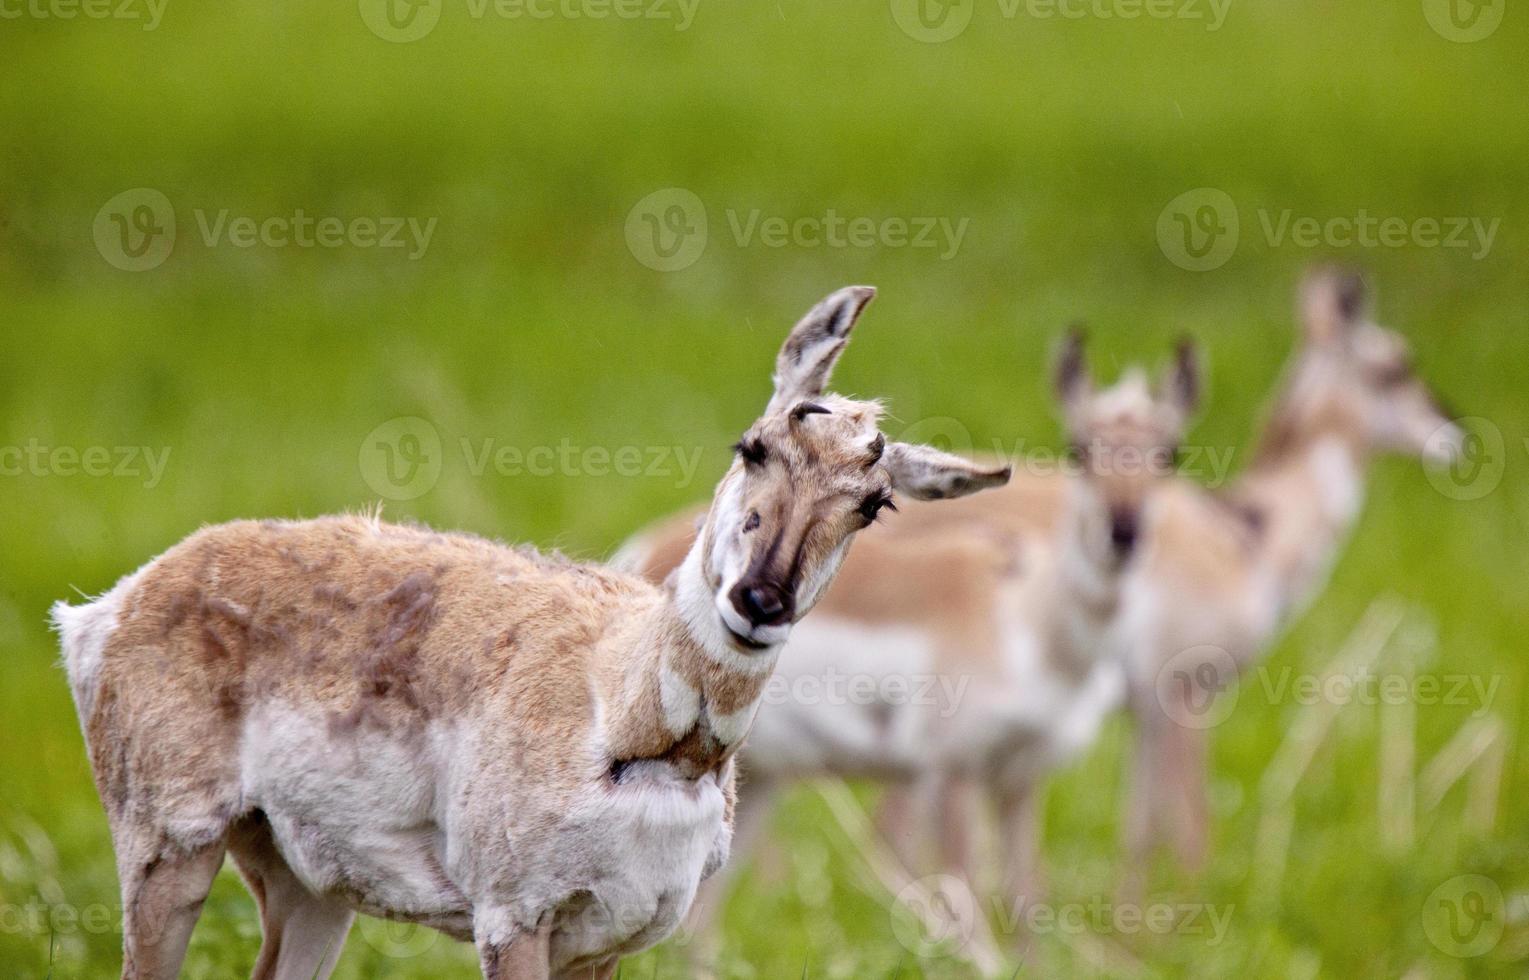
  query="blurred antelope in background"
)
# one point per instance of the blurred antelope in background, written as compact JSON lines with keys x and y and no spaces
{"x":1001,"y":607}
{"x":1221,"y":573}
{"x":520,"y":751}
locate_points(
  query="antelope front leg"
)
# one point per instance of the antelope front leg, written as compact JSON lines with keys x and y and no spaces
{"x":1019,"y":824}
{"x":1189,"y":809}
{"x":957,"y":803}
{"x":897,"y":819}
{"x":1140,"y":815}
{"x":162,"y":899}
{"x":526,"y":957}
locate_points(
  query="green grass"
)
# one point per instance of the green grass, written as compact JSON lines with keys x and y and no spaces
{"x":528,"y":321}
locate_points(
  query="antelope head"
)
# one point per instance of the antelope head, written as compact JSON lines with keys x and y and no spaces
{"x":812,"y":471}
{"x":1359,"y":377}
{"x":1124,"y":438}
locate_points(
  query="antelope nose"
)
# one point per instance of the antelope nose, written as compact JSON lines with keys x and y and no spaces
{"x":762,"y":603}
{"x":1123,"y":531}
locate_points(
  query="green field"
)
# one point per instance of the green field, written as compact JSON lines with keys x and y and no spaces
{"x":254,"y":370}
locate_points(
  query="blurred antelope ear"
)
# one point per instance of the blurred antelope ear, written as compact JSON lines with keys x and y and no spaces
{"x":1070,"y":376}
{"x":807,"y":357}
{"x":926,"y":473}
{"x":1333,"y":300}
{"x":1183,"y":380}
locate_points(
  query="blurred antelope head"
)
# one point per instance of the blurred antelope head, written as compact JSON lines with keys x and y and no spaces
{"x":808,"y":474}
{"x":1357,"y":377}
{"x":1125,"y":438}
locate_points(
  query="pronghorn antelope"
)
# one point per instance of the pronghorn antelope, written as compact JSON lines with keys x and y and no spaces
{"x":1221,"y":573}
{"x":517,"y":750}
{"x":1005,"y":602}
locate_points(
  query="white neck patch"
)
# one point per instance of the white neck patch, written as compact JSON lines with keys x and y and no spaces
{"x":1340,"y":487}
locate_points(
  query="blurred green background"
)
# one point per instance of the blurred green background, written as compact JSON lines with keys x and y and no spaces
{"x":533,"y":317}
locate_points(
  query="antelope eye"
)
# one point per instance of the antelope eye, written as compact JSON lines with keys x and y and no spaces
{"x":751,"y":522}
{"x":872,"y":506}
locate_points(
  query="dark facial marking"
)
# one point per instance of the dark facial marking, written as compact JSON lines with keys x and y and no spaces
{"x":751,"y":450}
{"x":1351,"y":296}
{"x":1123,"y":530}
{"x":872,"y":506}
{"x":1393,"y":375}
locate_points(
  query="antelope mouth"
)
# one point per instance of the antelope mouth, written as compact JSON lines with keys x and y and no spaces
{"x":746,"y":642}
{"x":746,"y":635}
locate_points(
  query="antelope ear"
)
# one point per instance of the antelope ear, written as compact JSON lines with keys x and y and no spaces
{"x":1333,"y":301}
{"x":1071,"y":377}
{"x":807,"y":357}
{"x":926,"y":473}
{"x":1183,"y":381}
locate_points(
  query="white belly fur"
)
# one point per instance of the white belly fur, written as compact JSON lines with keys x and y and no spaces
{"x":355,"y":816}
{"x":360,"y":817}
